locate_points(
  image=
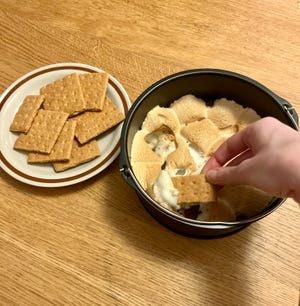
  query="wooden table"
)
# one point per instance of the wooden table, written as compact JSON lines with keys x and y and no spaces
{"x":94,"y":243}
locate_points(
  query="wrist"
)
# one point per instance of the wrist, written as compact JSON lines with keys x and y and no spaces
{"x":288,"y":165}
{"x":293,"y":165}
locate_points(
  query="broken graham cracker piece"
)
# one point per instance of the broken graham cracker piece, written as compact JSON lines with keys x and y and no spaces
{"x":181,"y":158}
{"x":26,"y":113}
{"x":224,"y":135}
{"x":243,"y":199}
{"x":93,"y":86}
{"x":91,"y":124}
{"x":146,"y":173}
{"x":202,"y":134}
{"x":221,"y":212}
{"x":161,"y":116}
{"x":224,"y":113}
{"x":43,"y":133}
{"x":215,"y":146}
{"x":141,"y":150}
{"x":229,"y":131}
{"x":62,"y":148}
{"x":80,"y":154}
{"x":194,"y":189}
{"x":247,"y":117}
{"x":64,"y":95}
{"x":189,"y":108}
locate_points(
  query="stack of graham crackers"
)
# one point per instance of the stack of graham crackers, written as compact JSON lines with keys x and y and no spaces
{"x":60,"y":125}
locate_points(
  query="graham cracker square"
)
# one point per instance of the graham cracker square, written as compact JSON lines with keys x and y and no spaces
{"x":202,"y":133}
{"x":93,"y":86}
{"x":62,"y":148}
{"x":26,"y":113}
{"x":194,"y":189}
{"x":43,"y":133}
{"x":80,"y":154}
{"x":146,"y":173}
{"x":189,"y":108}
{"x":64,"y":95}
{"x":141,"y":150}
{"x":224,"y":113}
{"x":91,"y":124}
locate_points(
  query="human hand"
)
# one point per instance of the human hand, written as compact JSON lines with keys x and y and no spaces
{"x":265,"y":155}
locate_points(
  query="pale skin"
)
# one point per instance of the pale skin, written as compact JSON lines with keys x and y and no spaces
{"x":265,"y":155}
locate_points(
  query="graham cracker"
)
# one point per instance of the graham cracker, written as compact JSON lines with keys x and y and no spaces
{"x":247,"y":117}
{"x":162,"y":134}
{"x":162,"y":141}
{"x":43,"y":133}
{"x":202,"y":134}
{"x":26,"y":113}
{"x":181,"y":158}
{"x":216,"y":145}
{"x":224,"y":113}
{"x":194,"y":189}
{"x":91,"y":124}
{"x":141,"y":150}
{"x":189,"y":108}
{"x":245,"y":200}
{"x":64,"y":95}
{"x":146,"y":173}
{"x":80,"y":154}
{"x":93,"y":86}
{"x":229,"y":131}
{"x":62,"y":148}
{"x":221,"y":212}
{"x":161,"y":116}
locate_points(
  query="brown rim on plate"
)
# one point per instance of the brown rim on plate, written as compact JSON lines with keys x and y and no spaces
{"x":42,"y":180}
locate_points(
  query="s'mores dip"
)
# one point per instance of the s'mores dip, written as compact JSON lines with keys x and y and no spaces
{"x":170,"y":150}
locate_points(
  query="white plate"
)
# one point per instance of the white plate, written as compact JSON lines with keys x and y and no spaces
{"x":14,"y":162}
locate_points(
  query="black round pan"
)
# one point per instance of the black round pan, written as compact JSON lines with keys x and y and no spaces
{"x":208,"y":84}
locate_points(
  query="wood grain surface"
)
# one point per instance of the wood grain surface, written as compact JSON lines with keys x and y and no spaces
{"x":94,"y":244}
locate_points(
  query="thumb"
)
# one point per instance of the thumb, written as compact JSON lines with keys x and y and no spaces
{"x":226,"y":176}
